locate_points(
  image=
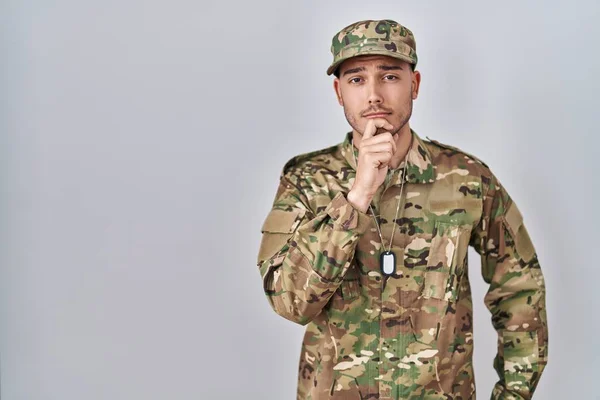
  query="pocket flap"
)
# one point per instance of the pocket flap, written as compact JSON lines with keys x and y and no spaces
{"x":435,"y":284}
{"x":280,"y":221}
{"x":513,"y":217}
{"x":276,"y":230}
{"x":514,"y":221}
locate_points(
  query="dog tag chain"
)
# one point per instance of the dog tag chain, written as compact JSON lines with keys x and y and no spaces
{"x":387,"y":258}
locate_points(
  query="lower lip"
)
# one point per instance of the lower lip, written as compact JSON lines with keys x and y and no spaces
{"x":376,"y":116}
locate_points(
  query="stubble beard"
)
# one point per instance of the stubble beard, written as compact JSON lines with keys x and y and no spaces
{"x":403,"y":119}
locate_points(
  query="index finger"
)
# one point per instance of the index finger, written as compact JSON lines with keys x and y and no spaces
{"x":373,"y":124}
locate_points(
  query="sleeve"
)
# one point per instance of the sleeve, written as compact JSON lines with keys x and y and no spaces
{"x":516,"y":295}
{"x":304,"y":254}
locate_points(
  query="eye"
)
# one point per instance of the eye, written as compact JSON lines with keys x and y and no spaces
{"x":354,"y":80}
{"x":390,"y":77}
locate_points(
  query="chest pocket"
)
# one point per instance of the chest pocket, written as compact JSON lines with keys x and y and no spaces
{"x":445,"y":263}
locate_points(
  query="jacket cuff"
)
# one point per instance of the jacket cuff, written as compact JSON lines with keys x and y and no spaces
{"x":345,"y":216}
{"x":501,"y":393}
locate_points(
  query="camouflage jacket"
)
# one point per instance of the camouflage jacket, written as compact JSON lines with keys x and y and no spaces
{"x":408,"y":335}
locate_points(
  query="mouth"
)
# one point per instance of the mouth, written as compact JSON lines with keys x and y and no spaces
{"x":376,"y":115}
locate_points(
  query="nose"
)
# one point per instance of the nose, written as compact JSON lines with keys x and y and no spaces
{"x":374,"y":94}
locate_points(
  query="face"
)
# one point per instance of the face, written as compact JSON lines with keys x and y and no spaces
{"x":377,"y":87}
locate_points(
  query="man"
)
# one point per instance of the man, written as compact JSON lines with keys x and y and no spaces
{"x":366,"y":244}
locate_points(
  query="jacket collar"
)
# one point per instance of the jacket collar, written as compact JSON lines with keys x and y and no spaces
{"x":420,"y":168}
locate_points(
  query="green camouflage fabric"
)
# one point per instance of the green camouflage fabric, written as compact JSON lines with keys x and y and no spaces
{"x":408,"y":335}
{"x":385,"y":37}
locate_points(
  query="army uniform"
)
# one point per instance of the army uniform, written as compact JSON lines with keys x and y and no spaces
{"x":408,"y":335}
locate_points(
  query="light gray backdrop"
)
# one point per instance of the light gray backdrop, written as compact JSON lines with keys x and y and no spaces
{"x":141,"y":145}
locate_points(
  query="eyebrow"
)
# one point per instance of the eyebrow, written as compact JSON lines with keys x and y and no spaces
{"x":379,"y":67}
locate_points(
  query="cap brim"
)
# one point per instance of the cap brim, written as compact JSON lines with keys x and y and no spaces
{"x":381,"y":52}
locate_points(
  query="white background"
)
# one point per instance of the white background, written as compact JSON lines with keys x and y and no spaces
{"x":141,"y":145}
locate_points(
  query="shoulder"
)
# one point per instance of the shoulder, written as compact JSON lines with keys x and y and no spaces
{"x":454,"y":163}
{"x":447,"y":158}
{"x":455,"y":151}
{"x":300,"y":164}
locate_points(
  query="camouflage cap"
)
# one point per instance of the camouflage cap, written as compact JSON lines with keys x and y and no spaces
{"x":382,"y":37}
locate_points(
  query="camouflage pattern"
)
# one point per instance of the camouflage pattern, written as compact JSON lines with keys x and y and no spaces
{"x":384,"y":37}
{"x":409,"y":335}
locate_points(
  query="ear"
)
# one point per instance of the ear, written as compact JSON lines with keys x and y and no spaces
{"x":338,"y":91}
{"x":416,"y":82}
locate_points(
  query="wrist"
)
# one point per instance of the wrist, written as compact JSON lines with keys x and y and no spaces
{"x":359,"y":200}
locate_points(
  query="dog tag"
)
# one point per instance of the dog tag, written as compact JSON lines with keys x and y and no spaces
{"x":387,"y":260}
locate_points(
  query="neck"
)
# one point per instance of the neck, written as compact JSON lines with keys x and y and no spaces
{"x":403,"y":139}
